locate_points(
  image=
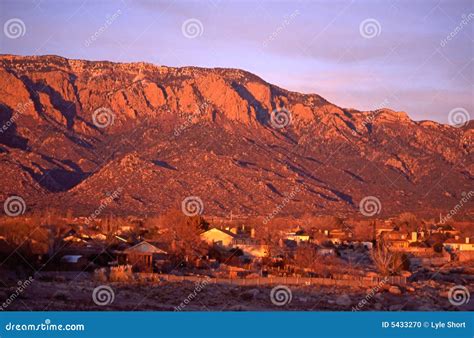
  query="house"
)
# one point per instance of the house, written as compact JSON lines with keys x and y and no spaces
{"x":394,"y":235}
{"x":382,"y":229}
{"x":73,"y":255}
{"x":417,"y":249}
{"x":237,"y":272}
{"x":228,"y":238}
{"x":298,"y":236}
{"x":338,"y":236}
{"x":82,"y":242}
{"x":229,"y":271}
{"x":143,"y":256}
{"x":447,"y":230}
{"x":83,"y":236}
{"x":414,"y":237}
{"x":398,"y":243}
{"x":254,"y":249}
{"x":220,"y":237}
{"x":458,"y":244}
{"x":125,"y":228}
{"x":72,"y":236}
{"x":395,"y":239}
{"x":250,"y":246}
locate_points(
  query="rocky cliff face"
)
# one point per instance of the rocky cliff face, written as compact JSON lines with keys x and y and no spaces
{"x":76,"y":131}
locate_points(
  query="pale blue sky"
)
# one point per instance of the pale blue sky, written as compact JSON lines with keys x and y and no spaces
{"x":306,"y":46}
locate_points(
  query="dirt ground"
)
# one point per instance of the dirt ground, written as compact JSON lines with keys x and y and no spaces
{"x":72,"y":291}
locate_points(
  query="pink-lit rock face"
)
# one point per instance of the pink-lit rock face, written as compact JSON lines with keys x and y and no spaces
{"x":168,"y":132}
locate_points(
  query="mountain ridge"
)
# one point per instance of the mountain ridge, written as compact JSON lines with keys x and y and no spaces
{"x":226,"y":135}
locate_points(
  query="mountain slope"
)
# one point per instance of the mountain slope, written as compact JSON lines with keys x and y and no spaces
{"x":79,"y":130}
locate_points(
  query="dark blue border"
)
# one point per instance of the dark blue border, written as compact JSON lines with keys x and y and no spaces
{"x":242,"y":324}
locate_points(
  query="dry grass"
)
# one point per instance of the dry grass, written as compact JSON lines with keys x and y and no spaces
{"x":122,"y":273}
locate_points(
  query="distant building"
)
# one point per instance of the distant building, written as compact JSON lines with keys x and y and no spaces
{"x":83,"y":236}
{"x":447,"y":230}
{"x":338,"y":236}
{"x":254,"y":249}
{"x":298,"y":236}
{"x":396,"y":239}
{"x":220,"y":237}
{"x":143,"y":256}
{"x":229,"y":239}
{"x":395,"y":235}
{"x":459,"y":244}
{"x":398,"y":243}
{"x":382,"y":229}
{"x":414,"y":237}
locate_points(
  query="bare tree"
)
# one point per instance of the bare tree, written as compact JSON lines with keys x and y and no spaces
{"x":306,"y":257}
{"x":182,"y":233}
{"x":387,"y":262}
{"x":270,"y":235}
{"x":408,"y":220}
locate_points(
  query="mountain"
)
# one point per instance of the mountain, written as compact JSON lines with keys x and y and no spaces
{"x":74,"y":132}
